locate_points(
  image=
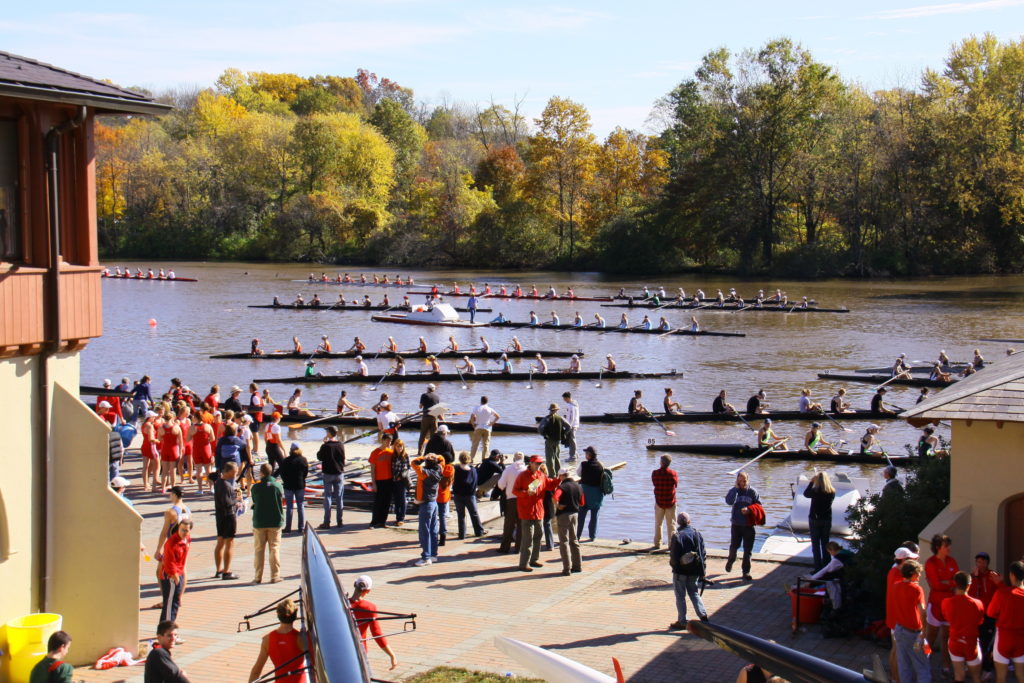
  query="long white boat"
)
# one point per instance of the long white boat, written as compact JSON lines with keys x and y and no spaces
{"x":438,"y":315}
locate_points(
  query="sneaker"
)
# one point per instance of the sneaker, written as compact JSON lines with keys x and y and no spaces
{"x":228,"y":576}
{"x":325,"y":525}
{"x":423,"y":562}
{"x":399,"y":523}
{"x":257,"y":580}
{"x":677,"y":626}
{"x":577,"y":570}
{"x":525,"y":569}
{"x":728,"y":566}
{"x":276,"y":580}
{"x":656,"y":546}
{"x":566,"y":572}
{"x":536,"y":564}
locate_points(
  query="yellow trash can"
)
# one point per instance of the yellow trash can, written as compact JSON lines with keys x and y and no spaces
{"x":26,"y":642}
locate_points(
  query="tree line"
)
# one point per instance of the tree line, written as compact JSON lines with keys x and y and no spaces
{"x":767,"y":162}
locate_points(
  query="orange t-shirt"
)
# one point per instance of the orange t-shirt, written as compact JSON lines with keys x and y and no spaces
{"x":380,"y":458}
{"x":906,"y":597}
{"x":444,"y":493}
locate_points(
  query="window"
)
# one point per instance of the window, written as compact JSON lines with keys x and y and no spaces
{"x":10,"y":225}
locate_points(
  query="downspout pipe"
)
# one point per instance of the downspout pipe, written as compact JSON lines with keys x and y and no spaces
{"x":53,"y":339}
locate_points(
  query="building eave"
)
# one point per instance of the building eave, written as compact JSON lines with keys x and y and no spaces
{"x":103,"y":104}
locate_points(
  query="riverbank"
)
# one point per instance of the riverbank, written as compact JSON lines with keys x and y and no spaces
{"x":619,"y":606}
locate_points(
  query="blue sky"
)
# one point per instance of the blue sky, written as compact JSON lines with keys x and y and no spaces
{"x":616,"y":58}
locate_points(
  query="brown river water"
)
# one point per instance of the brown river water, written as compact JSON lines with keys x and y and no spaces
{"x":780,"y":354}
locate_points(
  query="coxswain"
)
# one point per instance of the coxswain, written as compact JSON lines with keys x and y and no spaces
{"x":978,"y":362}
{"x":937,"y":375}
{"x":398,"y":367}
{"x":756,"y":404}
{"x":311,"y":369}
{"x":598,"y":321}
{"x":324,"y":346}
{"x":551,"y":293}
{"x":878,"y":403}
{"x":694,"y":325}
{"x":923,"y":396}
{"x":806,"y":404}
{"x":839,"y":403}
{"x":623,"y":322}
{"x":766,"y":438}
{"x":928,"y":444}
{"x":636,"y":407}
{"x":296,"y":345}
{"x":149,"y":274}
{"x":518,"y":292}
{"x":534,"y":320}
{"x":506,"y":364}
{"x":554,"y":322}
{"x":663,"y":325}
{"x":422,"y":345}
{"x":435,"y":367}
{"x":943,"y":359}
{"x":575,"y":366}
{"x":357,"y":346}
{"x":719,"y":405}
{"x":577,"y":320}
{"x":869,"y":441}
{"x":816,"y":444}
{"x":609,"y":365}
{"x":467,"y":367}
{"x":541,"y":366}
{"x":645,"y":324}
{"x":533,"y":291}
{"x":299,"y":301}
{"x":515,"y":345}
{"x":670,"y":405}
{"x":484,"y":346}
{"x":699,"y":296}
{"x":361,"y":369}
{"x":254,"y":347}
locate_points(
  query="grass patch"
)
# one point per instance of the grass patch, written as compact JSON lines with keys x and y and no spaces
{"x":445,"y":674}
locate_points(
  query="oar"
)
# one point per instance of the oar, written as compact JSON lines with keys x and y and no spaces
{"x":383,"y":377}
{"x":461,"y":378}
{"x":835,"y":422}
{"x":891,"y":379}
{"x":369,"y":432}
{"x":303,"y":425}
{"x":668,"y":432}
{"x":759,"y":456}
{"x":529,"y":381}
{"x":600,"y":373}
{"x":740,"y":418}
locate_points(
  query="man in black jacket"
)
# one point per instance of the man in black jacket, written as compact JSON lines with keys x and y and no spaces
{"x":440,"y":445}
{"x":487,"y":474}
{"x":293,"y":472}
{"x":688,"y":560}
{"x":160,"y":668}
{"x":225,"y":503}
{"x":332,"y":458}
{"x":568,"y":499}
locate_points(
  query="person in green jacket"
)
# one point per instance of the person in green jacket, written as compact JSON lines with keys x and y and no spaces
{"x":267,"y":520}
{"x":553,"y":429}
{"x":52,"y":668}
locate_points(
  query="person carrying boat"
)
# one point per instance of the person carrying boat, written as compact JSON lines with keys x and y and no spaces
{"x":670,"y":405}
{"x":311,"y":369}
{"x":694,"y":325}
{"x":506,"y":364}
{"x":574,"y":364}
{"x":766,"y":438}
{"x":361,"y":369}
{"x":623,"y":322}
{"x":756,"y":404}
{"x":719,"y":405}
{"x":636,"y":407}
{"x":839,"y":403}
{"x":453,"y":345}
{"x":878,"y":404}
{"x":345,"y":406}
{"x":514,"y":345}
{"x":315,"y":301}
{"x":806,"y":404}
{"x":149,"y":274}
{"x":869,"y":441}
{"x":577,"y":320}
{"x":937,"y":375}
{"x":398,"y":368}
{"x":928,"y":444}
{"x":299,"y":301}
{"x":598,"y":321}
{"x":541,"y":367}
{"x":254,"y":347}
{"x":435,"y":367}
{"x":978,"y":361}
{"x":554,"y":322}
{"x":645,"y":324}
{"x":816,"y":444}
{"x":663,"y":325}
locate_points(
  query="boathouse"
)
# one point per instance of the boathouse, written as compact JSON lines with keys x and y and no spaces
{"x":68,"y":543}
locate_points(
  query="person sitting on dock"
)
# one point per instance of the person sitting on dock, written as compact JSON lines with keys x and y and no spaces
{"x":756,"y":404}
{"x":869,"y":441}
{"x":467,"y":367}
{"x":299,"y":301}
{"x":361,"y":369}
{"x":254,"y":348}
{"x":623,"y":322}
{"x":541,"y":367}
{"x":766,"y":438}
{"x":671,"y":406}
{"x":663,"y":325}
{"x":574,"y":364}
{"x":937,"y":375}
{"x":435,"y":367}
{"x":878,"y":404}
{"x":719,"y":405}
{"x":816,"y":444}
{"x":636,"y":406}
{"x":357,"y":346}
{"x":609,"y":364}
{"x":839,"y":403}
{"x":807,"y":405}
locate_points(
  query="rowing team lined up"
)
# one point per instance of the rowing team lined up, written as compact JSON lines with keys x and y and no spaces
{"x":901,"y":370}
{"x":466,"y":367}
{"x":780,"y":298}
{"x":503,"y":291}
{"x":390,"y":346}
{"x":149,"y":275}
{"x":599,"y":322}
{"x":757,"y":404}
{"x":927,"y":445}
{"x":377,"y":280}
{"x":317,"y":302}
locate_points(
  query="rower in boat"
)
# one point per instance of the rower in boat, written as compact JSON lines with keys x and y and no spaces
{"x":472,"y":288}
{"x":503,"y":290}
{"x":756,"y":404}
{"x":569,"y":293}
{"x":928,"y":444}
{"x":487,"y":289}
{"x":777,"y":296}
{"x":362,"y":278}
{"x":324,"y":346}
{"x":803,"y":303}
{"x":766,"y":438}
{"x":670,"y":405}
{"x":680,"y":298}
{"x":978,"y":362}
{"x":784,"y":301}
{"x":541,"y":366}
{"x":943,"y":359}
{"x":534,"y":320}
{"x":506,"y":364}
{"x":500,"y":318}
{"x":609,"y":364}
{"x":422,"y":345}
{"x":366,"y":301}
{"x":694,"y":325}
{"x":311,"y":369}
{"x":551,"y":293}
{"x":455,"y":288}
{"x":807,"y":405}
{"x":699,"y":296}
{"x":117,"y":272}
{"x":816,"y":444}
{"x":620,"y":295}
{"x":149,"y":273}
{"x":484,"y":346}
{"x":759,"y":301}
{"x":315,"y":301}
{"x":554,"y":322}
{"x":467,"y":367}
{"x":361,"y":368}
{"x":452,"y":346}
{"x":869,"y":441}
{"x":938,"y":374}
{"x":254,"y":347}
{"x":346,"y":279}
{"x":577,"y":321}
{"x":899,"y":368}
{"x":435,"y":367}
{"x":661,"y":293}
{"x":647,"y":292}
{"x":162,"y":276}
{"x":574,"y":364}
{"x":358,"y":346}
{"x":623,"y":322}
{"x":296,"y":345}
{"x":663,"y":325}
{"x":719,"y":405}
{"x":923,"y":396}
{"x":533,"y":291}
{"x":967,"y":371}
{"x":655,"y":300}
{"x":391,"y":345}
{"x":341,"y":299}
{"x":839,"y":402}
{"x":645,"y":324}
{"x":514,"y":345}
{"x":385,"y":302}
{"x":276,"y":302}
{"x":296,"y":406}
{"x":299,"y":301}
{"x":398,"y":367}
{"x":878,"y":403}
{"x":733,"y":296}
{"x":598,"y":321}
{"x":719,"y":299}
{"x":636,"y":407}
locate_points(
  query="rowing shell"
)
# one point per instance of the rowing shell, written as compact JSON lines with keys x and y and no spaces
{"x":351,"y":421}
{"x":478,"y":377}
{"x":735,"y":450}
{"x":619,"y":330}
{"x":881,"y":379}
{"x":291,"y":355}
{"x":525,"y":297}
{"x":727,"y":307}
{"x":347,"y":307}
{"x":363,"y":284}
{"x":791,"y":415}
{"x":916,"y":370}
{"x":150,"y":279}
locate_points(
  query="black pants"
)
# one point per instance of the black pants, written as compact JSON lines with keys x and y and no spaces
{"x":275,"y":455}
{"x":511,"y":524}
{"x":745,"y":535}
{"x":381,"y":502}
{"x":171,"y":593}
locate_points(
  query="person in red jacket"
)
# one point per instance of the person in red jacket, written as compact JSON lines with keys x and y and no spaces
{"x":1007,"y":608}
{"x":529,"y":490}
{"x":284,"y":646}
{"x":964,"y":615}
{"x":172,"y":568}
{"x":940,"y":569}
{"x":365,"y":614}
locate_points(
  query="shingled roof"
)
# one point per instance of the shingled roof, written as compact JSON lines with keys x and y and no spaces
{"x":28,"y":79}
{"x":995,"y":394}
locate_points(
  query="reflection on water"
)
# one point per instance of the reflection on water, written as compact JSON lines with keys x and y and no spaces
{"x":780,"y":354}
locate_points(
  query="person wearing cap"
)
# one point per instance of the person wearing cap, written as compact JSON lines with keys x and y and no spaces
{"x":575,"y":365}
{"x":568,"y":499}
{"x":901,"y":555}
{"x":984,"y":585}
{"x":591,"y":473}
{"x":311,"y":370}
{"x":482,"y":420}
{"x":429,"y":473}
{"x":439,"y":444}
{"x":529,"y":490}
{"x":464,"y":485}
{"x":380,"y":461}
{"x":572,"y":421}
{"x":107,"y":412}
{"x":267,"y":517}
{"x":688,"y":560}
{"x":365,"y":614}
{"x":119,"y":484}
{"x":666,"y":483}
{"x":554,"y":429}
{"x":284,"y":647}
{"x":293,"y":472}
{"x":506,"y":483}
{"x":332,"y":464}
{"x":428,"y":422}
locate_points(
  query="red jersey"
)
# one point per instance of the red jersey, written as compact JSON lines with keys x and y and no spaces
{"x":906,"y":597}
{"x":1007,"y":608}
{"x":175,"y":555}
{"x":365,"y":614}
{"x":287,"y":647}
{"x":964,"y":615}
{"x":940,"y":580}
{"x":984,"y":586}
{"x":892,"y":578}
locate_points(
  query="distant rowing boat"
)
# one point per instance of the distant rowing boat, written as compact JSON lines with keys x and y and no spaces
{"x":1003,"y":341}
{"x":363,"y":284}
{"x":788,"y":415}
{"x":882,"y":379}
{"x":706,"y":306}
{"x":734,"y":450}
{"x":349,"y":307}
{"x":618,"y":330}
{"x":149,"y":279}
{"x":468,"y":378}
{"x":291,"y":355}
{"x":351,"y":421}
{"x":524,"y":297}
{"x":915,"y":370}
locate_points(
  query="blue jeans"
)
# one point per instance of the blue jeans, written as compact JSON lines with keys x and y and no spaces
{"x":334,"y":492}
{"x":913,"y":664}
{"x":442,"y":518}
{"x":399,"y":487}
{"x":819,"y":539}
{"x":428,"y":529}
{"x":297,"y":498}
{"x":685,"y":585}
{"x":592,"y":528}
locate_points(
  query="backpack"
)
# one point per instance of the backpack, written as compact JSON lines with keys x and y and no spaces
{"x":542,"y":425}
{"x":607,"y":485}
{"x":689,"y":561}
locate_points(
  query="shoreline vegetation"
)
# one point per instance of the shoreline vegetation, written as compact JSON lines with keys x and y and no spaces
{"x":766,"y":163}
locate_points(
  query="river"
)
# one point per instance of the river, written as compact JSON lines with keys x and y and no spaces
{"x":780,"y":354}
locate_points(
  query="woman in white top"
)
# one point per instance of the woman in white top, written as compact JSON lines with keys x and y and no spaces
{"x":574,"y":364}
{"x":361,"y":368}
{"x":541,"y":366}
{"x":467,"y":367}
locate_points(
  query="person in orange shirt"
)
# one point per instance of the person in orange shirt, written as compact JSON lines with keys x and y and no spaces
{"x":380,"y":462}
{"x":1007,"y":608}
{"x":444,"y":498}
{"x":908,"y":612}
{"x":964,"y":615}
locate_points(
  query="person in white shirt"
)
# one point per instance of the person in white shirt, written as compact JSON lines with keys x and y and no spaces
{"x":571,"y":414}
{"x":361,"y":368}
{"x":385,"y":418}
{"x":506,"y":483}
{"x":482,"y":419}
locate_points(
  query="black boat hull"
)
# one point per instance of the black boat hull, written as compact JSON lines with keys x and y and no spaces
{"x":290,"y":355}
{"x":743,"y":451}
{"x":347,"y":421}
{"x":617,"y":330}
{"x":727,"y":307}
{"x":453,"y":377}
{"x":789,"y":415}
{"x":881,"y":379}
{"x":328,"y":307}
